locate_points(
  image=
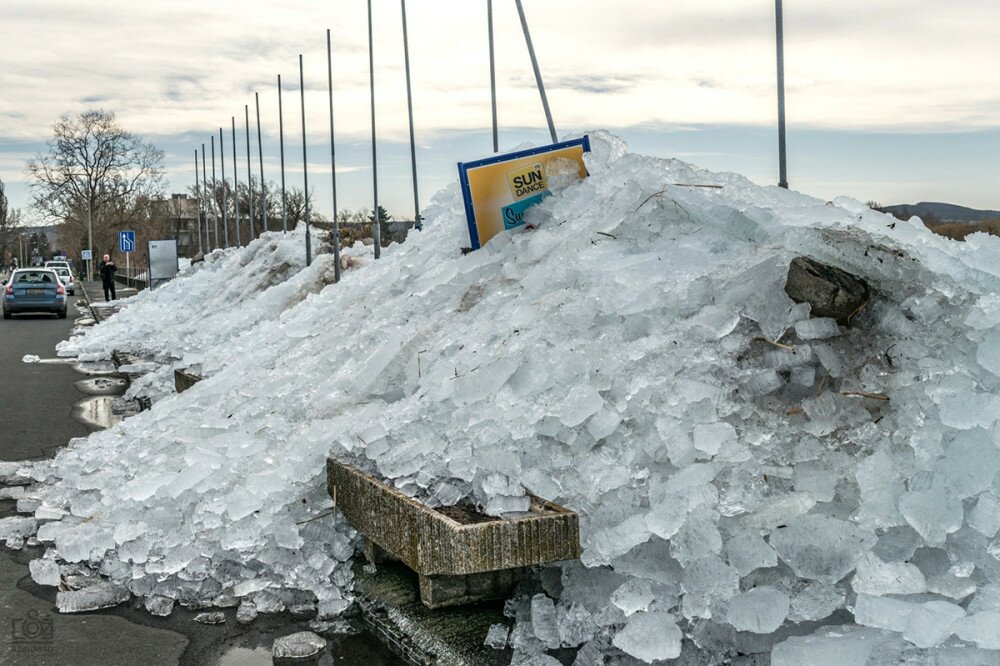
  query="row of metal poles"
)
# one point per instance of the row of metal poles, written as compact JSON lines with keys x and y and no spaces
{"x":207,"y":241}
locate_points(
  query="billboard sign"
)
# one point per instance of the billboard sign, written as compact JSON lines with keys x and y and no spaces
{"x":126,"y":241}
{"x":498,"y":190}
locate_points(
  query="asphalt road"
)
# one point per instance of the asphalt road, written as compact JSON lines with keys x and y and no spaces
{"x":36,"y":418}
{"x":36,"y":399}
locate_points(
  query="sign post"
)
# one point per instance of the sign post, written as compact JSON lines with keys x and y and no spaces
{"x":126,"y":245}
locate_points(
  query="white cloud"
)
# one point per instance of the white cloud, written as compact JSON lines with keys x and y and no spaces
{"x":180,"y":66}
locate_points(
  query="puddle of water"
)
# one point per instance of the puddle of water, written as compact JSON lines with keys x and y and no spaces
{"x":97,"y":412}
{"x":240,"y":656}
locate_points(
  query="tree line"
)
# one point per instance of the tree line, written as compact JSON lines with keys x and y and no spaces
{"x":95,"y":171}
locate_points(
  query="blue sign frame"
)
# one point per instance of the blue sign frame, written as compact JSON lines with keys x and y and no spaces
{"x":126,"y":241}
{"x":463,"y":176}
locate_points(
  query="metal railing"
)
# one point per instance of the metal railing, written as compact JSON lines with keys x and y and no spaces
{"x":137,"y":278}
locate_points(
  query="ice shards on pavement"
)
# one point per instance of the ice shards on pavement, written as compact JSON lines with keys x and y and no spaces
{"x":636,"y":359}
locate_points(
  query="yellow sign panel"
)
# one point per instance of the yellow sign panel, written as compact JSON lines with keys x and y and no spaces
{"x":498,"y":190}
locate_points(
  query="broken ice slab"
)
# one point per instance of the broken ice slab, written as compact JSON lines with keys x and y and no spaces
{"x":185,"y":378}
{"x":446,"y":544}
{"x":104,"y":594}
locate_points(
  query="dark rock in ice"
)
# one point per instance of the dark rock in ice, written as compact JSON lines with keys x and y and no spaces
{"x":830,"y":291}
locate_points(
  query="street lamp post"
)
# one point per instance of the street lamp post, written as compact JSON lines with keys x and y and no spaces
{"x":780,"y":39}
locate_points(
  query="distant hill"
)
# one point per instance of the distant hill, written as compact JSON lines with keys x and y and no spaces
{"x":941,"y":212}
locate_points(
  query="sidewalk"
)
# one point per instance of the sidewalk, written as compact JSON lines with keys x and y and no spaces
{"x":93,"y":292}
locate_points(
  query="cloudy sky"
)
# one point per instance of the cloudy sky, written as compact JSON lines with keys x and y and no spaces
{"x":893,"y":100}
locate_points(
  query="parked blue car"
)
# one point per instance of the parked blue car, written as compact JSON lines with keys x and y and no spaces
{"x":34,"y":290}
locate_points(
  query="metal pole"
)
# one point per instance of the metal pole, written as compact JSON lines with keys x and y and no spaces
{"x":376,"y":232}
{"x":90,"y":226}
{"x":305,"y":162}
{"x":215,"y":199}
{"x":281,"y":138}
{"x":493,"y":78}
{"x":204,"y":187}
{"x":246,"y":111}
{"x":538,"y":73}
{"x":197,"y":195}
{"x":236,"y":190}
{"x":333,"y":162}
{"x":260,"y":158}
{"x":780,"y":37}
{"x":225,"y":191}
{"x":409,"y":106}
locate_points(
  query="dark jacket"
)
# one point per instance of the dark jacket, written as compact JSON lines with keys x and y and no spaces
{"x":107,"y":272}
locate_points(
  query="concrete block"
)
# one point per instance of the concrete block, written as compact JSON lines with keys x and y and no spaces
{"x":184,"y":379}
{"x":454,"y":541}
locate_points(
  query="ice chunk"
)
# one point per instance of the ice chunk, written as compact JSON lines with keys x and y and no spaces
{"x":985,"y":516}
{"x":882,"y":612}
{"x":781,"y":510}
{"x":747,"y":551}
{"x":816,"y":479}
{"x":705,"y":580}
{"x":821,"y":548}
{"x":970,"y":463}
{"x":160,"y":606}
{"x":988,"y":352}
{"x":878,"y":578}
{"x":301,"y":645}
{"x":247,"y":612}
{"x":17,"y":526}
{"x":760,"y":610}
{"x":213,"y":617}
{"x":816,"y":601}
{"x":576,"y":625}
{"x":929,"y":625}
{"x":934,"y":513}
{"x":634,"y":595}
{"x":30,"y":358}
{"x":544,"y":621}
{"x":803,"y":376}
{"x":496,"y":637}
{"x":817,"y":328}
{"x":710,"y":437}
{"x":832,"y":646}
{"x":45,"y":571}
{"x":983,"y":629}
{"x":650,"y":637}
{"x":103,"y":594}
{"x":603,"y":423}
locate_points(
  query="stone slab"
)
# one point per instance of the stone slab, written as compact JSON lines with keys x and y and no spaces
{"x":434,"y":544}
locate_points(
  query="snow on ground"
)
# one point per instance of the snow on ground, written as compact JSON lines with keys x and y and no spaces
{"x":734,"y":495}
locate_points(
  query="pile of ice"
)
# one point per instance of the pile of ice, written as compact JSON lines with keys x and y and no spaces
{"x":209,"y":302}
{"x":749,"y":479}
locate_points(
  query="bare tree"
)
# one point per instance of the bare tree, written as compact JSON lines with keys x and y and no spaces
{"x":9,"y":220}
{"x":96,"y":171}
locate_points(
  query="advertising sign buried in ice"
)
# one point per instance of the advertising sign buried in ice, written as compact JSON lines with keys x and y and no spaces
{"x":498,"y":190}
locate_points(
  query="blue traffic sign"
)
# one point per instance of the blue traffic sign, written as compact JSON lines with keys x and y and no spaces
{"x":126,"y":241}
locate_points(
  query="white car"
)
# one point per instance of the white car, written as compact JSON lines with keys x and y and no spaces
{"x":66,"y":277}
{"x":57,"y":264}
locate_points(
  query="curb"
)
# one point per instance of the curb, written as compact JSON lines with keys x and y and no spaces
{"x":93,"y":312}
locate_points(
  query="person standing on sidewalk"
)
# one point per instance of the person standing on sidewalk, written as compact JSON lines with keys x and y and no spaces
{"x":108,"y":277}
